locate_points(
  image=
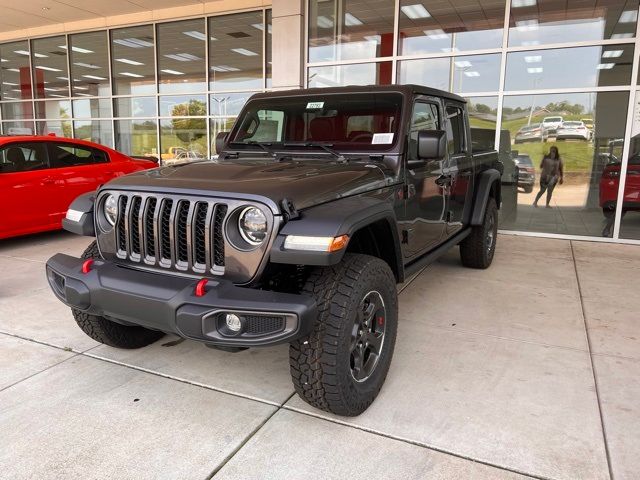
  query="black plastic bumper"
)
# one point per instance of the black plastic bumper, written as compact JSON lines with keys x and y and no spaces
{"x":168,"y":303}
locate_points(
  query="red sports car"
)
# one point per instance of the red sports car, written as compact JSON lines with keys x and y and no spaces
{"x":41,"y":175}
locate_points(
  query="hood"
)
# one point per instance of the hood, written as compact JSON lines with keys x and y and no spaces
{"x":306,"y":182}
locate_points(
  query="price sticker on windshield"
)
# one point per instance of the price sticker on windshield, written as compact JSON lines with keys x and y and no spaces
{"x":315,"y":105}
{"x":382,"y":139}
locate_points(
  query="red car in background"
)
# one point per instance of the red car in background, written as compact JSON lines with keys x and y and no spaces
{"x":41,"y":175}
{"x":610,"y":181}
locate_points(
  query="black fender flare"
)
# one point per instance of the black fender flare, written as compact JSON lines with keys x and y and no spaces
{"x":84,"y":225}
{"x":341,"y":217}
{"x":485,"y":182}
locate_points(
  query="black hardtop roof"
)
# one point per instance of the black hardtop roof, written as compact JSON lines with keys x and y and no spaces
{"x":403,"y":89}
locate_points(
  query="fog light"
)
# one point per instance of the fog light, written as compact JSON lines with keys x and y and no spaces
{"x":233,"y":322}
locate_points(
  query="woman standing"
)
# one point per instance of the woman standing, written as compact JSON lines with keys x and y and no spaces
{"x":551,"y":173}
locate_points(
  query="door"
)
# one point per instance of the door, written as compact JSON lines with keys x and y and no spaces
{"x":425,"y":199}
{"x":25,"y":188}
{"x":77,"y":170}
{"x":458,"y":171}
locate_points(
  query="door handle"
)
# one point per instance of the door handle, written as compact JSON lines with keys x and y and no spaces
{"x":443,"y":181}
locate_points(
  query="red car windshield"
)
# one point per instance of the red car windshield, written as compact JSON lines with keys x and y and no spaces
{"x":345,"y":122}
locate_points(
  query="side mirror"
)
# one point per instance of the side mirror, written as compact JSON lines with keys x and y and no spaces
{"x":221,"y":141}
{"x":432,"y":144}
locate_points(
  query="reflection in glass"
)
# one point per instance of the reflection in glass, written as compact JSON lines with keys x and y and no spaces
{"x":569,"y":67}
{"x":183,"y":106}
{"x":17,"y":128}
{"x":49,"y":60}
{"x":15,"y":74}
{"x":267,"y":49}
{"x":89,"y":62}
{"x":16,"y":110}
{"x":350,"y":29}
{"x":588,"y":130}
{"x":218,"y":125}
{"x":483,"y":115}
{"x":228,"y":104}
{"x":181,"y":56}
{"x":235,"y":51}
{"x":132,"y":61}
{"x":98,"y":131}
{"x":60,"y":128}
{"x":448,"y":28}
{"x":357,"y":74}
{"x":92,"y":108}
{"x":539,"y":23}
{"x":135,"y":107}
{"x":630,"y":222}
{"x":183,"y":140}
{"x":53,"y":109}
{"x":137,"y":137}
{"x":478,"y":73}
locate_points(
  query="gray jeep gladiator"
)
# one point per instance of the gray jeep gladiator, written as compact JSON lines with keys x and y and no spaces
{"x":321,"y":201}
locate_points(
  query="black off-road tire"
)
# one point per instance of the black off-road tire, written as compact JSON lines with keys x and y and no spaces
{"x":478,"y":249}
{"x":108,"y":332}
{"x":321,"y":363}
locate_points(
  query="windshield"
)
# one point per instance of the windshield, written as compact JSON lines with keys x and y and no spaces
{"x":552,"y":119}
{"x":346,"y":121}
{"x":572,"y":124}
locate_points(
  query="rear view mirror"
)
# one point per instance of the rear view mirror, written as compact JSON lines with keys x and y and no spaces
{"x":432,"y":144}
{"x":221,"y":141}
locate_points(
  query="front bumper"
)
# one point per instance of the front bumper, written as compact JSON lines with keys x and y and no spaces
{"x":168,"y":303}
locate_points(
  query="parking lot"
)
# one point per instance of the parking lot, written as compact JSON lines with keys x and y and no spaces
{"x":530,"y":368}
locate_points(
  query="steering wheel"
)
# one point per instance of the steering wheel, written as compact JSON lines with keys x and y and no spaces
{"x":362,"y":137}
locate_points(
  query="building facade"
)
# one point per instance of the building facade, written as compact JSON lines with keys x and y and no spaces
{"x":536,"y":74}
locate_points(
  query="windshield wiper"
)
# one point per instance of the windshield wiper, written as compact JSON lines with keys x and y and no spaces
{"x":263,"y":145}
{"x":325,"y":146}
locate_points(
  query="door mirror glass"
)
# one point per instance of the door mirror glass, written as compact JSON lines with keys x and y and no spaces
{"x":432,"y":144}
{"x":221,"y":141}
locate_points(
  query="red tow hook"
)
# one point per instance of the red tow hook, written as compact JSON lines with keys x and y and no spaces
{"x":200,"y":287}
{"x":86,"y":266}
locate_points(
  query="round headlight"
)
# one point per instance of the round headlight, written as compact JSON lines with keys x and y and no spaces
{"x":253,"y":225}
{"x":110,"y":208}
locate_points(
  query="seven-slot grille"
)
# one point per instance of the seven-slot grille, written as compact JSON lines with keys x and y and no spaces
{"x":185,"y":234}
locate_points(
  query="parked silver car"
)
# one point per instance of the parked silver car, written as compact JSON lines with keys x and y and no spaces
{"x":573,"y":130}
{"x":531,"y":133}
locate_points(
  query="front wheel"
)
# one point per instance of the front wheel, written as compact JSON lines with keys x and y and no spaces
{"x":478,"y":249}
{"x":341,"y":365}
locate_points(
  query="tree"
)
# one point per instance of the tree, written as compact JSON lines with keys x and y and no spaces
{"x":189,"y":129}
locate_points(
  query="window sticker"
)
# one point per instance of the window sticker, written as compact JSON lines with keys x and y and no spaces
{"x":315,"y":105}
{"x":382,"y":139}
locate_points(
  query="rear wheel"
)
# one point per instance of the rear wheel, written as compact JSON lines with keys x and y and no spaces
{"x":478,"y":249}
{"x":341,"y":365}
{"x":108,"y":332}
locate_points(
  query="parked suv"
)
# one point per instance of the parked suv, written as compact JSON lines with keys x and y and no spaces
{"x":320,"y":203}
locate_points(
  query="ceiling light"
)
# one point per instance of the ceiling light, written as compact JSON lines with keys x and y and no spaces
{"x":260,"y":26}
{"x":172,"y":72}
{"x":628,"y":16}
{"x":129,"y":74}
{"x":182,"y":57}
{"x":535,"y":70}
{"x":16,"y":90}
{"x":9,"y":98}
{"x":621,"y":35}
{"x":133,"y":42}
{"x":196,"y":34}
{"x":244,"y":51}
{"x":87,"y":65}
{"x":94,"y":77}
{"x":324,"y":22}
{"x":606,"y":66}
{"x":56,"y":95}
{"x":527,"y":25}
{"x":126,"y":60}
{"x":78,"y":87}
{"x":13,"y":70}
{"x":3,"y":60}
{"x":415,"y":11}
{"x":612,"y":53}
{"x":62,"y":78}
{"x":351,"y":20}
{"x":533,"y":58}
{"x":76,"y":49}
{"x":463,"y":64}
{"x":40,"y":55}
{"x":530,"y":43}
{"x":472,"y":74}
{"x":10,"y":83}
{"x":50,"y":69}
{"x":437,"y":34}
{"x":224,"y":68}
{"x":523,"y":3}
{"x":21,"y":52}
{"x":83,"y":95}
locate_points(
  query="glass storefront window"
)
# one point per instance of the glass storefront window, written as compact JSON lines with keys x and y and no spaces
{"x":478,"y":73}
{"x":53,"y":109}
{"x":267,"y":49}
{"x":228,"y":104}
{"x":483,"y":116}
{"x":92,"y":108}
{"x":135,"y":107}
{"x":445,"y":28}
{"x":88,"y":58}
{"x":132,"y":61}
{"x":235,"y":51}
{"x":16,"y":110}
{"x":17,"y":128}
{"x":183,"y":139}
{"x":542,"y":23}
{"x":588,"y":131}
{"x":98,"y":131}
{"x":49,"y":60}
{"x":137,"y":137}
{"x":181,"y":56}
{"x":183,"y":106}
{"x":630,"y":222}
{"x":60,"y":128}
{"x":356,"y":74}
{"x":15,"y":74}
{"x":217,"y":125}
{"x":569,"y":67}
{"x":350,"y":29}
